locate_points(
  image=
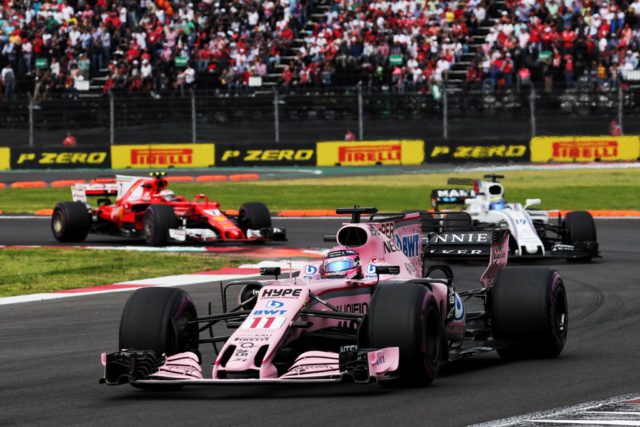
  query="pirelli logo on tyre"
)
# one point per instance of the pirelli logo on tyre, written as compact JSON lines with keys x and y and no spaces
{"x":60,"y":158}
{"x":163,"y":156}
{"x":585,"y":148}
{"x":367,"y":153}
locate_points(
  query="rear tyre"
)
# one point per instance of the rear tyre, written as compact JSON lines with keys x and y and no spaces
{"x":156,"y":319}
{"x":158,"y":219}
{"x":70,"y":222}
{"x":529,"y":308}
{"x":406,"y":315}
{"x":254,"y":216}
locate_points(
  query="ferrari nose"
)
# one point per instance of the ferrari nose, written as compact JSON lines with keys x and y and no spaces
{"x":233,"y":234}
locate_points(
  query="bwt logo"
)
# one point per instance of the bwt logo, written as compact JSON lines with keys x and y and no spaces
{"x":169,"y":156}
{"x":585,"y":149}
{"x":282,"y":293}
{"x":268,"y":312}
{"x":410,"y":245}
{"x":374,"y":153}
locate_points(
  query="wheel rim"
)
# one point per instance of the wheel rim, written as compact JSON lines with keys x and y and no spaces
{"x":148,"y":227}
{"x":57,"y":222}
{"x":560,"y":315}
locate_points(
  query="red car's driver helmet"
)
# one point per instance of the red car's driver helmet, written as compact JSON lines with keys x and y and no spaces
{"x":341,"y":262}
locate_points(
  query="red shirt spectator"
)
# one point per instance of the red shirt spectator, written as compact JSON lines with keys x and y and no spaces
{"x":69,"y":141}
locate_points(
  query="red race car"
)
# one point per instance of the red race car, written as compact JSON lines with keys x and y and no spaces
{"x":145,"y":207}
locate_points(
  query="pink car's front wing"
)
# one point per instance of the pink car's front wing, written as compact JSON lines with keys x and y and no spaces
{"x":309,"y":367}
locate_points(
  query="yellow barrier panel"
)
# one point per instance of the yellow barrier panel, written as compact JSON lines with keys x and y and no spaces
{"x":367,"y":153}
{"x":162,"y":156}
{"x":584,"y":148}
{"x":5,"y":158}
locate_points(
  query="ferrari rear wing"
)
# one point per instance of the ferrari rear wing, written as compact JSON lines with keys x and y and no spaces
{"x":80,"y":192}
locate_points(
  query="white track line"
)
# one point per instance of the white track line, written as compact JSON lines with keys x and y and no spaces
{"x":536,"y":417}
{"x":167,"y":281}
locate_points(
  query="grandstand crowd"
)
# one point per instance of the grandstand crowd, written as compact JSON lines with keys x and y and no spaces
{"x":144,"y":46}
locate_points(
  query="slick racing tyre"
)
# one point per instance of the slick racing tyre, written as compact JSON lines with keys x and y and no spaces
{"x":158,"y":219}
{"x":529,"y":309}
{"x":579,"y":227}
{"x":254,"y":216}
{"x":406,"y":315}
{"x":70,"y":222}
{"x":156,"y":319}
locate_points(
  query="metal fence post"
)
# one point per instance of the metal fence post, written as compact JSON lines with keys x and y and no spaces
{"x":445,"y":111}
{"x":193,"y":117}
{"x":30,"y":120}
{"x":620,"y":108}
{"x":276,"y":113}
{"x":532,"y":108}
{"x":360,"y":113}
{"x":112,"y":119}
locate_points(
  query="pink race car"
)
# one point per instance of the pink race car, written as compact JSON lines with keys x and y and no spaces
{"x":363,"y":314}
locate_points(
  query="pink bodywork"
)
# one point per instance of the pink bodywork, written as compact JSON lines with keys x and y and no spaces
{"x":253,"y":346}
{"x":280,"y":303}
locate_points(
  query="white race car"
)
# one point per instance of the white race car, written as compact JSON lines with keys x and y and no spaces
{"x":533,"y":233}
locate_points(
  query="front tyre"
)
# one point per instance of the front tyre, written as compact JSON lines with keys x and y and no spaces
{"x":70,"y":222}
{"x":529,"y":309}
{"x":254,"y":216}
{"x":157,"y":319}
{"x":158,"y":219}
{"x":406,"y":315}
{"x":580,"y":228}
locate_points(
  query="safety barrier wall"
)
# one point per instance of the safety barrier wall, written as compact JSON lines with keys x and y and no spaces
{"x":60,"y":158}
{"x":367,"y":153}
{"x":163,"y":156}
{"x":585,"y":149}
{"x":265,"y":155}
{"x":325,"y":153}
{"x":479,"y":151}
{"x":5,"y":158}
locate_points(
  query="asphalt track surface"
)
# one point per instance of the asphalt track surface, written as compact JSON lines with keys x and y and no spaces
{"x":50,"y":364}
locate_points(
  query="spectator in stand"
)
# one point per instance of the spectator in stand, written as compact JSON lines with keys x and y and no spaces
{"x":349,"y":135}
{"x":69,"y":141}
{"x":8,"y":81}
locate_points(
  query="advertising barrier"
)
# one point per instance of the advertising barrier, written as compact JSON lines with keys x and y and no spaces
{"x":584,"y":148}
{"x":60,"y":158}
{"x":481,"y":151}
{"x":5,"y":158}
{"x":163,"y":156}
{"x":261,"y":155}
{"x":367,"y":153}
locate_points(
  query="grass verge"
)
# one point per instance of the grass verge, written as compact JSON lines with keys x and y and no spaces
{"x":29,"y":271}
{"x":558,"y":189}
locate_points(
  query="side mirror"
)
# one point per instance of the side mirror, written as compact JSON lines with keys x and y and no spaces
{"x":270,"y":271}
{"x":532,"y":202}
{"x":387,"y":269}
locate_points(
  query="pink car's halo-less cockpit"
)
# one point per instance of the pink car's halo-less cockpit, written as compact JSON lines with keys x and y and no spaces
{"x":374,"y":309}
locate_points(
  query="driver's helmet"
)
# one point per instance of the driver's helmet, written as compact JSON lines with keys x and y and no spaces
{"x":497,"y":204}
{"x":168,"y":195}
{"x":341,"y":262}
